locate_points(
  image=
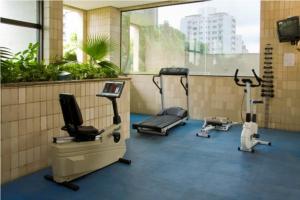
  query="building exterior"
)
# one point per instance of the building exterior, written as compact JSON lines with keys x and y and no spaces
{"x":214,"y":31}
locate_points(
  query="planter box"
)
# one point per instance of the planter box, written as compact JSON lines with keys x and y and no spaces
{"x":31,"y":116}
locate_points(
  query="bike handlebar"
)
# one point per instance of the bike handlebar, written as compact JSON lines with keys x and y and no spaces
{"x":258,"y":79}
{"x":237,"y":80}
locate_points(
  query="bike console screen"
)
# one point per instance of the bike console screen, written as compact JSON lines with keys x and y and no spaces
{"x":112,"y":89}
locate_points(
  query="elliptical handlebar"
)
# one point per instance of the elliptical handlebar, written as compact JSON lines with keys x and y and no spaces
{"x":237,"y":80}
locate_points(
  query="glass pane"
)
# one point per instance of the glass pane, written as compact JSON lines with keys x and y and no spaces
{"x":213,"y":37}
{"x":19,"y":10}
{"x":73,"y":32}
{"x":17,"y":38}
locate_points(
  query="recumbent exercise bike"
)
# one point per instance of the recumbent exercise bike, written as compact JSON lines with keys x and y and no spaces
{"x":87,"y":149}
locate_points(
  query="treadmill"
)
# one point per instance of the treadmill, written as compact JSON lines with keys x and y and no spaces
{"x":170,"y":117}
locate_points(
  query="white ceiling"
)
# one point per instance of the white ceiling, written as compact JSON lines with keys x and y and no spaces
{"x":91,"y":4}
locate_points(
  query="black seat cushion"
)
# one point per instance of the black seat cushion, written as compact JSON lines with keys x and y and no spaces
{"x":87,"y":130}
{"x":86,"y":133}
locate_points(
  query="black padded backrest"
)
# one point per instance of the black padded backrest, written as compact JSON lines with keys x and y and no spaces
{"x":70,"y":109}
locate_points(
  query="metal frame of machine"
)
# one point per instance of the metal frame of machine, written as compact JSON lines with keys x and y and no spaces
{"x":214,"y":123}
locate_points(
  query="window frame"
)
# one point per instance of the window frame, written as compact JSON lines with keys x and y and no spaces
{"x":159,"y":6}
{"x":39,"y":26}
{"x":83,"y":15}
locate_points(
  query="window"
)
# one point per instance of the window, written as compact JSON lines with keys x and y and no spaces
{"x":72,"y":34}
{"x":17,"y":38}
{"x":21,"y":24}
{"x":161,"y":38}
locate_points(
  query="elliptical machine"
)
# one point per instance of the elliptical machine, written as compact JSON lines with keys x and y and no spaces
{"x":249,"y":133}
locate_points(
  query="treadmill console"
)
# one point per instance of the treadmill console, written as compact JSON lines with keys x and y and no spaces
{"x":177,"y":71}
{"x":112,"y":89}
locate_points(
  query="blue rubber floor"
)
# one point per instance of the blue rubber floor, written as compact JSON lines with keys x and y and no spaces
{"x":183,"y":166}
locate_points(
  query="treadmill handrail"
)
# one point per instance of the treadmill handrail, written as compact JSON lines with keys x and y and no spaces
{"x":185,"y":86}
{"x":155,"y":83}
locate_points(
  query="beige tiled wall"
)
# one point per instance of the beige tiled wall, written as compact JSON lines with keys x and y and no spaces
{"x":284,"y":108}
{"x":31,"y":116}
{"x":146,"y":98}
{"x":53,"y":30}
{"x":209,"y":96}
{"x":106,"y":21}
{"x":219,"y":96}
{"x":215,"y":96}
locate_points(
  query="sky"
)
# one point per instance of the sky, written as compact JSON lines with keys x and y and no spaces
{"x":246,"y":13}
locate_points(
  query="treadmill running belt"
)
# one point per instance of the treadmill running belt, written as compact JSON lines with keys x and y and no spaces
{"x":161,"y":121}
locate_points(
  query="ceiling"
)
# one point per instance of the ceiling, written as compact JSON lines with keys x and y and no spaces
{"x":91,"y":4}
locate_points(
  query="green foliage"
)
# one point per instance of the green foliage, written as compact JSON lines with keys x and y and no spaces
{"x":28,"y":56}
{"x":97,"y":47}
{"x":126,"y":55}
{"x":70,"y":48}
{"x":24,"y":66}
{"x":86,"y":71}
{"x":109,"y":68}
{"x":8,"y":72}
{"x":5,"y":54}
{"x":166,"y":36}
{"x":70,"y":56}
{"x":153,"y":39}
{"x":197,"y":47}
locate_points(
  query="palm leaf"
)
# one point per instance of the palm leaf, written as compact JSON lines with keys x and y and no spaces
{"x":5,"y":54}
{"x":97,"y":47}
{"x":109,"y":65}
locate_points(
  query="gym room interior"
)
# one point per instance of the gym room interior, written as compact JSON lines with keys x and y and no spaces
{"x":150,"y":99}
